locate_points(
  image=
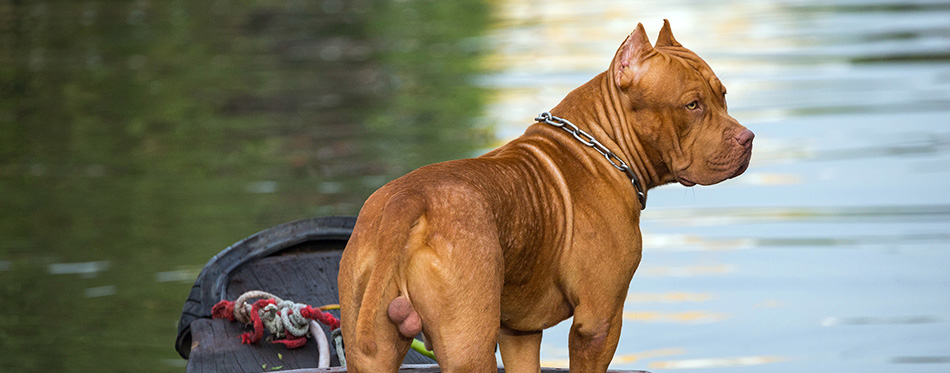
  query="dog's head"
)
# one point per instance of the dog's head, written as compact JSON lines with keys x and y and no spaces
{"x":677,"y":106}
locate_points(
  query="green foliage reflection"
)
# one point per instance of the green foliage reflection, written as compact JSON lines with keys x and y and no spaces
{"x":149,"y":135}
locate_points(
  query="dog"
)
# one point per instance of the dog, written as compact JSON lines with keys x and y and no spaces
{"x":495,"y":249}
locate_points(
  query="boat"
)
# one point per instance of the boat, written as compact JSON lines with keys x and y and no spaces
{"x":296,"y":261}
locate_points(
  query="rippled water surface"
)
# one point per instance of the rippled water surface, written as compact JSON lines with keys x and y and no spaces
{"x":138,"y":139}
{"x":830,"y":253}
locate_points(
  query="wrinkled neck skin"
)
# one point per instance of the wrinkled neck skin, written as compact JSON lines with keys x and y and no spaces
{"x":598,"y":108}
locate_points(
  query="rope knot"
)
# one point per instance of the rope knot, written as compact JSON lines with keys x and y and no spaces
{"x":288,"y":322}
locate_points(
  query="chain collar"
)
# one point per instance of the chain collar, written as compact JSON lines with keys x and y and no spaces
{"x":586,"y":139}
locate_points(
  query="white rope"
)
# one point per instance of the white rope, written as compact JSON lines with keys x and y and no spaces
{"x":337,"y":336}
{"x":294,"y":323}
{"x":242,"y":312}
{"x":323,"y":346}
{"x":285,"y":318}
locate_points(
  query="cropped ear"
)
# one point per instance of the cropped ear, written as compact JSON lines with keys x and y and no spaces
{"x":665,"y":39}
{"x":633,"y":50}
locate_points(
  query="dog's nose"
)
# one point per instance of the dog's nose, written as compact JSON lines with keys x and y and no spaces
{"x":745,"y":137}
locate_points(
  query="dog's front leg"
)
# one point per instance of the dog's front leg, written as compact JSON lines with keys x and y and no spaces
{"x":520,"y":351}
{"x":594,"y":336}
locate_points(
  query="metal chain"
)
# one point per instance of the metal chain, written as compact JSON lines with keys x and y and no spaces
{"x":589,"y":140}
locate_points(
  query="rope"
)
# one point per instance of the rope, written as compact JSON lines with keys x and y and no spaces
{"x":323,"y":347}
{"x":337,"y":337}
{"x":288,"y":322}
{"x":293,"y":323}
{"x":242,"y":314}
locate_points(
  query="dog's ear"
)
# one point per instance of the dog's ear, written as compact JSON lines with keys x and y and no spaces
{"x":633,"y":50}
{"x":665,"y":39}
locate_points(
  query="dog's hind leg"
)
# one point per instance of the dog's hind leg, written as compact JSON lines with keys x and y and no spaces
{"x":384,"y":350}
{"x":369,"y":282}
{"x":373,"y":341}
{"x":455,"y":286}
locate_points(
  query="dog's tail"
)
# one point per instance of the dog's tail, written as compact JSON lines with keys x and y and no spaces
{"x":402,"y":213}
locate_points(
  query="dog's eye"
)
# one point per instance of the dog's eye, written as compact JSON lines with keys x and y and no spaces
{"x":692,"y":105}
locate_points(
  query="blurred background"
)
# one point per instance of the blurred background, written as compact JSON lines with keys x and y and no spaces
{"x":139,"y":138}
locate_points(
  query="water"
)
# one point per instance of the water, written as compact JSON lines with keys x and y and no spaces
{"x":830,"y":253}
{"x":138,"y":139}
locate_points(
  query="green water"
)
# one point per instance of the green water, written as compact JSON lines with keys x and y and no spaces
{"x":137,"y":139}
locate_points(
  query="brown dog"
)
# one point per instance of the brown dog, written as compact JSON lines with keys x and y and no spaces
{"x":498,"y":248}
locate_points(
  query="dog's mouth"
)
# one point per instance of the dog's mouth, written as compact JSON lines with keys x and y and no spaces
{"x":714,"y":178}
{"x":742,"y":168}
{"x":717,"y":170}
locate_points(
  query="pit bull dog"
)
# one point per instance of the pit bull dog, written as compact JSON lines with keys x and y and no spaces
{"x":495,"y":249}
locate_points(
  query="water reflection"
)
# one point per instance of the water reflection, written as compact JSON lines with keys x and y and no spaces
{"x":685,"y":317}
{"x":835,"y":321}
{"x":730,"y":362}
{"x":85,"y":269}
{"x":841,"y":218}
{"x":137,"y":139}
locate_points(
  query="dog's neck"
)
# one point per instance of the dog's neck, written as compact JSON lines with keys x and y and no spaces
{"x":596,"y":107}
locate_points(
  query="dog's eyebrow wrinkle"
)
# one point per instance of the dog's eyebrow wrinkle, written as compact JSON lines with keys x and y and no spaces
{"x":688,"y":61}
{"x":697,"y":64}
{"x":712,"y":82}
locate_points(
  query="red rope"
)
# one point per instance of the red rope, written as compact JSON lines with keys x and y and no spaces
{"x":248,"y":337}
{"x":292,"y":342}
{"x":225,"y":310}
{"x":324,"y":318}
